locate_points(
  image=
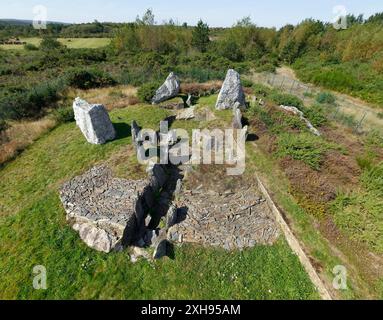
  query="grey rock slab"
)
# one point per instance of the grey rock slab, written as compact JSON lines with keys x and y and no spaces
{"x":93,"y":121}
{"x":186,"y":114}
{"x":231,"y":92}
{"x":168,"y":90}
{"x":237,"y":120}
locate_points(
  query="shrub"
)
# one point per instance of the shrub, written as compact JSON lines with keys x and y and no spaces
{"x":316,"y":114}
{"x":29,"y":103}
{"x":374,"y":139}
{"x":30,"y":47}
{"x":261,"y":90}
{"x":326,"y":97}
{"x":360,"y":215}
{"x":380,"y":115}
{"x":304,"y":147}
{"x":3,"y":125}
{"x":88,"y":79}
{"x":278,"y":121}
{"x":49,"y":43}
{"x":64,"y":114}
{"x":247,"y":83}
{"x":372,"y":179}
{"x":4,"y":71}
{"x":337,"y":80}
{"x":147,"y":91}
{"x":286,"y":99}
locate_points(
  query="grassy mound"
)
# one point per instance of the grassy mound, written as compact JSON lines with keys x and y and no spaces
{"x":33,"y":231}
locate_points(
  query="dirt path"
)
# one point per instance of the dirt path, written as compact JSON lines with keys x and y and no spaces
{"x":286,"y":80}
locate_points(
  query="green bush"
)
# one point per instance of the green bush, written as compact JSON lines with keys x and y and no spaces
{"x":88,"y":79}
{"x":30,"y":103}
{"x":326,"y":97}
{"x":261,"y":90}
{"x":147,"y":91}
{"x":337,"y":79}
{"x":374,"y":139}
{"x":30,"y":47}
{"x":49,"y":43}
{"x":3,"y":125}
{"x":304,"y":147}
{"x":5,"y":70}
{"x":247,"y":83}
{"x":278,"y":121}
{"x":286,"y":99}
{"x":360,"y":215}
{"x":380,"y":115}
{"x":316,"y":114}
{"x":372,"y":179}
{"x":64,"y":114}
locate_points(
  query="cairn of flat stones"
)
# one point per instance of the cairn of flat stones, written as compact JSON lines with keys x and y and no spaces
{"x":299,"y":113}
{"x":231,"y":92}
{"x":93,"y":121}
{"x":168,"y":90}
{"x":231,"y":220}
{"x":110,"y":213}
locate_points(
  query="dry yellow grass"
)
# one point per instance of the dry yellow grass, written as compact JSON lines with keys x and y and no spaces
{"x":21,"y":134}
{"x":111,"y":97}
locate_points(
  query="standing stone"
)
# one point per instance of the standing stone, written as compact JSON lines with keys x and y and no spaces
{"x":168,"y":90}
{"x":94,"y":122}
{"x":135,"y":134}
{"x":237,"y":121}
{"x":189,"y":101}
{"x":157,"y":176}
{"x":171,"y":216}
{"x":231,"y":92}
{"x":160,"y":250}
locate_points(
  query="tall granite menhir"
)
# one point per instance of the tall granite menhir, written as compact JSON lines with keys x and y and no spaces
{"x":94,"y":122}
{"x":231,"y":92}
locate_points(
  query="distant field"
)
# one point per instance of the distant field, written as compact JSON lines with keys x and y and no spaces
{"x":74,"y":43}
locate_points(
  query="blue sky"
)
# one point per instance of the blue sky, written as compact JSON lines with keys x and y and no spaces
{"x":267,"y":13}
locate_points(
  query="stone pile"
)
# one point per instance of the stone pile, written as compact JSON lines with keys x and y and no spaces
{"x":93,"y":121}
{"x":110,"y":213}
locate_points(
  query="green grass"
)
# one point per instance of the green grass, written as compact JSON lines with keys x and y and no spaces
{"x":33,"y":231}
{"x":73,"y":43}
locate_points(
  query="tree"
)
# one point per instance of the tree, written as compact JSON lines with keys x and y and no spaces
{"x":245,"y":22}
{"x":147,"y":18}
{"x":200,"y":36}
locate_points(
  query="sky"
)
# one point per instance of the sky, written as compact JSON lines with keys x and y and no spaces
{"x":217,"y":13}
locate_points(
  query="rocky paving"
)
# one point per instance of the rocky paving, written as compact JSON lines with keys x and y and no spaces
{"x":231,"y":220}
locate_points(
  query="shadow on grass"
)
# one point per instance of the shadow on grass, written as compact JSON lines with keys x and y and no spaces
{"x":123,"y":130}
